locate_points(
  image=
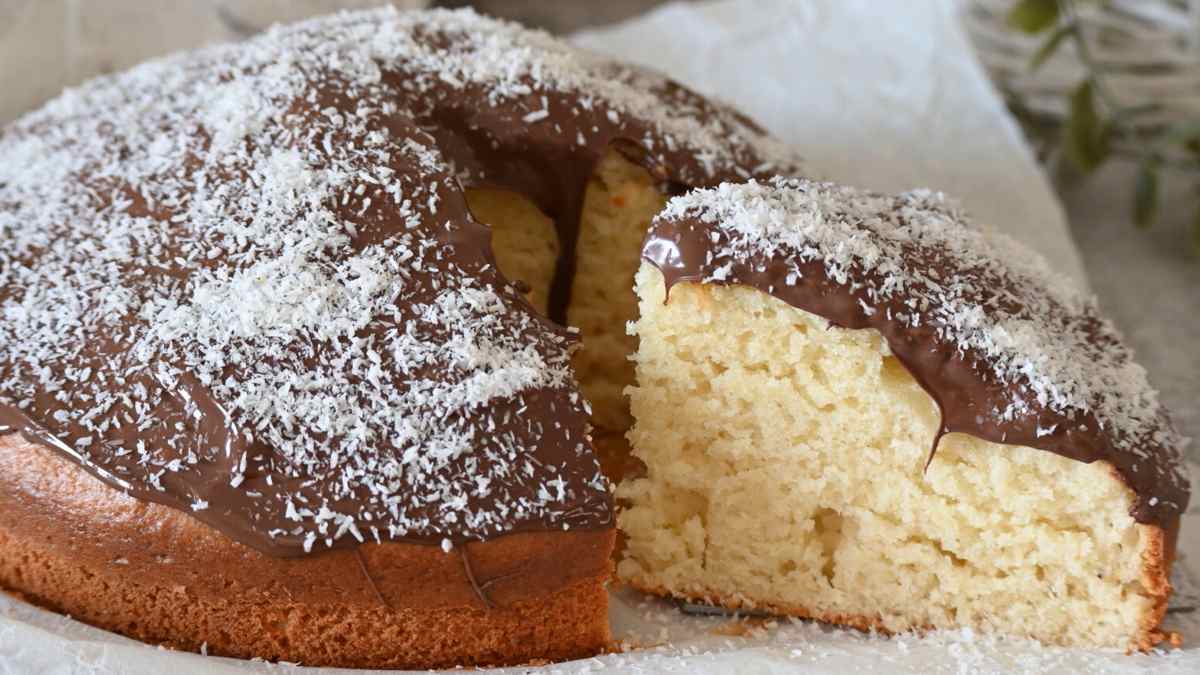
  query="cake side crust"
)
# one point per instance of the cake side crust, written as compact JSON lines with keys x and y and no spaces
{"x":70,"y":543}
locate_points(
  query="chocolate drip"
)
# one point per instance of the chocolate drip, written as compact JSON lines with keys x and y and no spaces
{"x":969,"y":396}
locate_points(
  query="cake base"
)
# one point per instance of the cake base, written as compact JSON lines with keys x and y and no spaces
{"x":74,"y":545}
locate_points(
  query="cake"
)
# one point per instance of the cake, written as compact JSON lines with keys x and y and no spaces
{"x":284,"y":370}
{"x":886,"y":417}
{"x":270,"y":385}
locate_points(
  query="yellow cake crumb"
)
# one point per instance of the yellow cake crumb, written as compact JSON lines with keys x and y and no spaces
{"x":620,"y":201}
{"x":523,"y":238}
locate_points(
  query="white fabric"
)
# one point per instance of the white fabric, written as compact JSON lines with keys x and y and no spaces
{"x":885,"y":95}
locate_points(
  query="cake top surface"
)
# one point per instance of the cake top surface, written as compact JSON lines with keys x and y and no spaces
{"x":244,"y":281}
{"x":1010,"y":350}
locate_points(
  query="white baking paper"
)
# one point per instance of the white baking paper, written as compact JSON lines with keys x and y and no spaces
{"x":877,"y":93}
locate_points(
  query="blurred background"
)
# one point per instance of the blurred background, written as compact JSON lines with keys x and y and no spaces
{"x":1107,"y":92}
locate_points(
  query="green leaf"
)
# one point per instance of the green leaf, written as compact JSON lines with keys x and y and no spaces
{"x":1145,"y":194}
{"x":1086,"y":139}
{"x":1050,"y":46}
{"x":1033,"y":16}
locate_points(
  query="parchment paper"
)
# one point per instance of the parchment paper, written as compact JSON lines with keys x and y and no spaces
{"x":885,"y":95}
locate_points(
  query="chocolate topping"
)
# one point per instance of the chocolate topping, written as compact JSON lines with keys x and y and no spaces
{"x":244,"y":282}
{"x":1010,"y":352}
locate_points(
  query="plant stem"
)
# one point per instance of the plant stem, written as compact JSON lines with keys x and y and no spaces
{"x":1095,"y":73}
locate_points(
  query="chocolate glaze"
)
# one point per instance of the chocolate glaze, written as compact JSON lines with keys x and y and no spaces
{"x":688,"y":248}
{"x":539,"y":138}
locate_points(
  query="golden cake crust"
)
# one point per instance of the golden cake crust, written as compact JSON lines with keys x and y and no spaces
{"x":70,"y":543}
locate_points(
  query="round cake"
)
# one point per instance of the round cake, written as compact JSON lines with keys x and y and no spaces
{"x":886,"y":417}
{"x":270,"y":384}
{"x":284,"y":370}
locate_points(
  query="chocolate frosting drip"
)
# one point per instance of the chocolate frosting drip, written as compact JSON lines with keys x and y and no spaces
{"x":244,"y":282}
{"x":1010,"y":353}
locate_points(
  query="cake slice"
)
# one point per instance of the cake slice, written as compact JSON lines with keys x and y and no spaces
{"x":883,"y":417}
